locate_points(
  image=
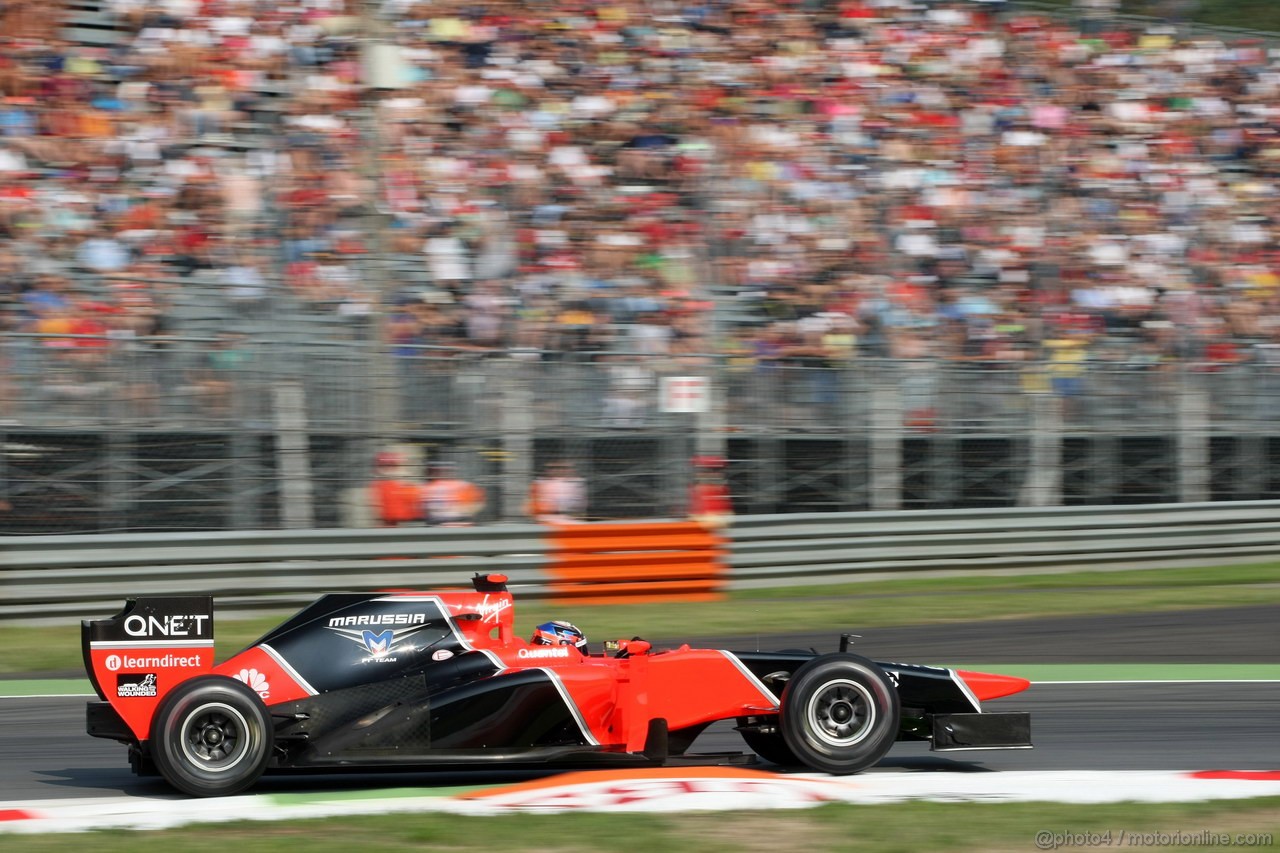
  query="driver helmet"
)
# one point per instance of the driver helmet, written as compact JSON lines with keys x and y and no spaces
{"x":559,"y":633}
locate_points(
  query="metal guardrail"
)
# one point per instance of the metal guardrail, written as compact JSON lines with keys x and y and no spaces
{"x":797,"y":550}
{"x":61,"y":578}
{"x":64,"y":578}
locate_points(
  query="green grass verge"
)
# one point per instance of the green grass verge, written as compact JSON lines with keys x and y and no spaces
{"x":911,"y":601}
{"x":1118,"y":672}
{"x":905,"y":827}
{"x":1246,"y":14}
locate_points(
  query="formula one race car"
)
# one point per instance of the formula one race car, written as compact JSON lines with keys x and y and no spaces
{"x":365,"y":681}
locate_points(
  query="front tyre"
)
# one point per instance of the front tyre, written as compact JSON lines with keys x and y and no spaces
{"x":211,"y":736}
{"x":840,"y":714}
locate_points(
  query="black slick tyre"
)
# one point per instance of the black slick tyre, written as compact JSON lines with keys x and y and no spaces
{"x":211,"y":736}
{"x":840,"y":714}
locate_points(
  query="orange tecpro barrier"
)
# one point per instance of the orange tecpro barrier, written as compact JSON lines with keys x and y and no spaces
{"x":635,"y":562}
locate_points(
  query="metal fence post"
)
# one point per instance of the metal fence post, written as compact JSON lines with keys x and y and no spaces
{"x":712,"y":421}
{"x":1043,"y":483}
{"x":886,"y":437}
{"x":516,"y":415}
{"x":244,"y":504}
{"x":116,"y":491}
{"x":293,"y":455}
{"x":1192,"y":437}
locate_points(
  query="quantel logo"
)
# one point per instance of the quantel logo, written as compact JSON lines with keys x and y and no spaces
{"x":551,"y":652}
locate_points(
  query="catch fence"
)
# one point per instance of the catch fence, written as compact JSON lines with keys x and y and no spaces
{"x":230,"y":432}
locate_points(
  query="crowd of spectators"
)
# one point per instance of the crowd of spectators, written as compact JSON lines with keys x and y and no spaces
{"x":814,"y":180}
{"x":860,"y":178}
{"x":131,"y":170}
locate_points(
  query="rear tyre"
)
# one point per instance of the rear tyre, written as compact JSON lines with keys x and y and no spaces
{"x":211,"y":736}
{"x":840,"y":714}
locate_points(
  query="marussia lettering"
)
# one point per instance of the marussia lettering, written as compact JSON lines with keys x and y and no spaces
{"x":552,"y":652}
{"x":166,"y":626}
{"x":378,"y":619}
{"x":381,"y":644}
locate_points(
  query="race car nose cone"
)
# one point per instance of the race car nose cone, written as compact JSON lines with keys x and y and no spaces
{"x":986,"y":685}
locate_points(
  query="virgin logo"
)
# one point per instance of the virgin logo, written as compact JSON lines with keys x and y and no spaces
{"x":491,"y":611}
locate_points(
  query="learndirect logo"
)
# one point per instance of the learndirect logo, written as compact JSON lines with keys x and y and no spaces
{"x":117,"y":662}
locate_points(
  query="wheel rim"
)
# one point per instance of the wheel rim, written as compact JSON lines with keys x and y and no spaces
{"x":215,"y":737}
{"x":841,"y":713}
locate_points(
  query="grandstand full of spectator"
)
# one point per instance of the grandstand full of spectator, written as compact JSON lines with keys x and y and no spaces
{"x":879,"y":178}
{"x":796,"y":182}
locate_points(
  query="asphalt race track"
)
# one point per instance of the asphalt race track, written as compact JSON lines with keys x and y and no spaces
{"x":1114,"y":726}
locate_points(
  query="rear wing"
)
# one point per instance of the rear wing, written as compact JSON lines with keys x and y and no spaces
{"x":137,"y":656}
